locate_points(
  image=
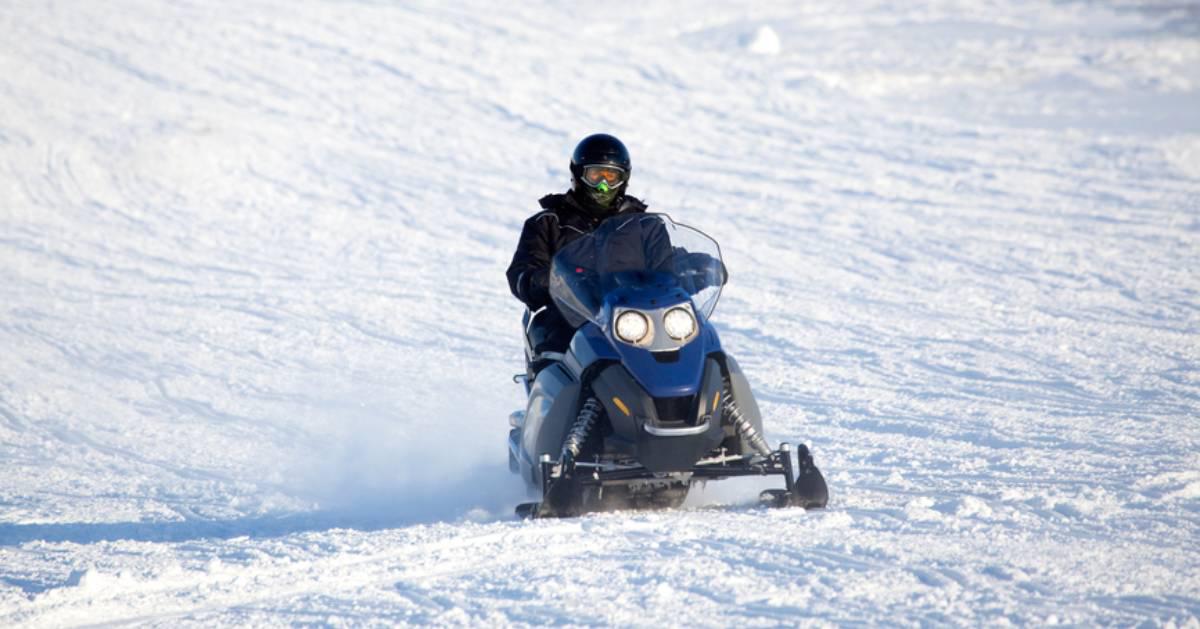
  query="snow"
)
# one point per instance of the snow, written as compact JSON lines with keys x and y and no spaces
{"x":765,"y":42}
{"x":257,"y":344}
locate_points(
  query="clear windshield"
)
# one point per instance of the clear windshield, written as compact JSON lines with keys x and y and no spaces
{"x":642,"y":251}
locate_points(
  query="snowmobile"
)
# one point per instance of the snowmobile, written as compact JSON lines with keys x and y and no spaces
{"x":644,"y":403}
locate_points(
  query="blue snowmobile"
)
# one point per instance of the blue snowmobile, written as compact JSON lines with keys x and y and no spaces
{"x":644,"y":403}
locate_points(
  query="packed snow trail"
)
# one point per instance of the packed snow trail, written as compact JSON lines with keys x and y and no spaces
{"x":256,"y":339}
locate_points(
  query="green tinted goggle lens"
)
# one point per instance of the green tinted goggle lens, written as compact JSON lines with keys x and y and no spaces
{"x":606,"y":176}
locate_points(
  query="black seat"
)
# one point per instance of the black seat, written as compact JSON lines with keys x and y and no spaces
{"x":547,"y":337}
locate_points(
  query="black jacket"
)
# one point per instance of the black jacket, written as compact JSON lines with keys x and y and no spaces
{"x":561,"y":220}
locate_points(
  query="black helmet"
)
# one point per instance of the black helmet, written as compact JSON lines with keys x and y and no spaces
{"x":600,"y":168}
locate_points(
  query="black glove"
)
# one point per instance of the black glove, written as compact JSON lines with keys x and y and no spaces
{"x":698,"y":265}
{"x":535,"y":288}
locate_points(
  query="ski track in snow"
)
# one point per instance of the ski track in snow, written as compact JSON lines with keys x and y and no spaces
{"x":257,"y":340}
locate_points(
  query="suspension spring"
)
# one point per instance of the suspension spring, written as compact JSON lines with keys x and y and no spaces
{"x":741,"y":424}
{"x":588,"y":415}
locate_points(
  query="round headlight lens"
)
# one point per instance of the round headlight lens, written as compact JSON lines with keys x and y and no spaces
{"x":632,"y":326}
{"x":679,"y":323}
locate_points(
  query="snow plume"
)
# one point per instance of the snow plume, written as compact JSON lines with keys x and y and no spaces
{"x":381,"y":466}
{"x":733,"y":492}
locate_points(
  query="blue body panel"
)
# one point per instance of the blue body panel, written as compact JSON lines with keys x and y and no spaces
{"x":663,"y":380}
{"x":590,"y":345}
{"x":670,"y":379}
{"x":667,"y":379}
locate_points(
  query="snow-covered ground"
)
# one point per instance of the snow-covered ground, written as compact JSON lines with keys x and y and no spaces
{"x":255,"y":341}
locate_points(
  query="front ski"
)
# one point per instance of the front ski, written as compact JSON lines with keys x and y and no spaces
{"x":561,"y":494}
{"x":562,"y":487}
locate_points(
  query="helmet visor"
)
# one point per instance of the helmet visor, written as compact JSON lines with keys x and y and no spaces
{"x":609,"y":176}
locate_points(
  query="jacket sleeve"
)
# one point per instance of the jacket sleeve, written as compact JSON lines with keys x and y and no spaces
{"x":529,"y":273}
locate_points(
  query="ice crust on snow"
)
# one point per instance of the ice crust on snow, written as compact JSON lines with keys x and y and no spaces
{"x":257,"y":344}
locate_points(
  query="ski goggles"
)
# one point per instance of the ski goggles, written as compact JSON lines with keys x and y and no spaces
{"x":603,"y":175}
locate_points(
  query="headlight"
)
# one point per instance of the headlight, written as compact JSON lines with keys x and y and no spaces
{"x":632,"y":326}
{"x":679,"y":323}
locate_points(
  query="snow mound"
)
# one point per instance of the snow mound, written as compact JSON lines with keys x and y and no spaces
{"x":765,"y":41}
{"x":1190,"y":491}
{"x":1183,"y":152}
{"x":970,"y":506}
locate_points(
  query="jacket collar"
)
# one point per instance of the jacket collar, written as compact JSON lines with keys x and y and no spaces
{"x":567,"y":203}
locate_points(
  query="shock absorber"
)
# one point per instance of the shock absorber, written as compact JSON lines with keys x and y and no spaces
{"x":741,"y":424}
{"x":584,"y":422}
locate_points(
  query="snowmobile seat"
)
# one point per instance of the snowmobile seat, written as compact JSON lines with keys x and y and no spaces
{"x":546,"y":338}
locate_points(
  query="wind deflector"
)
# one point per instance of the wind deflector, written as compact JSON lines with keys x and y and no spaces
{"x":625,"y":250}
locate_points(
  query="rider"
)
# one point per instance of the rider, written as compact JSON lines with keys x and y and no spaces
{"x":600,"y":169}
